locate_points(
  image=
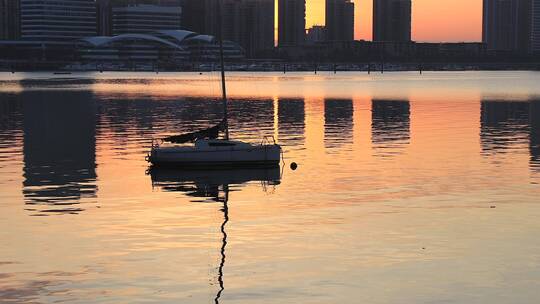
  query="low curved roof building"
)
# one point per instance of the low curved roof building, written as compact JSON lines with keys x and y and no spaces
{"x":130,"y":47}
{"x":202,"y":47}
{"x":176,"y":36}
{"x":164,"y":45}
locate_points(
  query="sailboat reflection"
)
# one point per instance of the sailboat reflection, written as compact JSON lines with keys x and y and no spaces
{"x":214,"y":186}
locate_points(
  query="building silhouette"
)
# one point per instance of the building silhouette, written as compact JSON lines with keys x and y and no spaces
{"x":57,"y":21}
{"x":200,"y":16}
{"x":339,"y":20}
{"x":250,"y":23}
{"x":506,"y":25}
{"x":392,"y":20}
{"x":316,"y":33}
{"x":291,"y":22}
{"x":233,"y":19}
{"x":116,"y":17}
{"x":145,"y":18}
{"x":9,"y":20}
{"x":535,"y":22}
{"x":258,"y":33}
{"x":104,"y":17}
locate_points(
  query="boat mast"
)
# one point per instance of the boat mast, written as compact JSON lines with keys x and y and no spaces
{"x":222,"y":60}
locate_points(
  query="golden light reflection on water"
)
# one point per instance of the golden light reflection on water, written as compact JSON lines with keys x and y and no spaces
{"x":410,"y":188}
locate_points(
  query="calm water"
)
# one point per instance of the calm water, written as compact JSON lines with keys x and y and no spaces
{"x":410,"y":189}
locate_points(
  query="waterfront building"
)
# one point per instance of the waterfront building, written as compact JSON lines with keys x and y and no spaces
{"x":128,"y":48}
{"x":506,"y":25}
{"x":59,"y":21}
{"x":535,"y":33}
{"x":291,"y":22}
{"x":9,"y":19}
{"x":392,"y":20}
{"x":145,"y":18}
{"x":339,"y":20}
{"x":171,"y":46}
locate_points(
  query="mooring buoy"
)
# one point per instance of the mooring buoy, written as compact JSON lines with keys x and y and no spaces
{"x":294,"y":166}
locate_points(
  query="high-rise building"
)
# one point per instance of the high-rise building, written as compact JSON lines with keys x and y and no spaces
{"x":200,"y":16}
{"x":104,"y":17}
{"x":145,"y":18}
{"x":250,"y":23}
{"x":291,"y":22}
{"x":3,"y":21}
{"x":535,"y":33}
{"x":257,"y":26}
{"x":104,"y":10}
{"x":9,"y":19}
{"x":57,"y":21}
{"x":392,"y":20}
{"x":339,"y":20}
{"x":233,"y":18}
{"x":506,"y":25}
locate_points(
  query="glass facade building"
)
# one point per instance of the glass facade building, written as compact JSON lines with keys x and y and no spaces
{"x":145,"y":19}
{"x":51,"y":21}
{"x":535,"y":41}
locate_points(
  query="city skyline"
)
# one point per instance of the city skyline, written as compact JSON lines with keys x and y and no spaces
{"x":431,"y":22}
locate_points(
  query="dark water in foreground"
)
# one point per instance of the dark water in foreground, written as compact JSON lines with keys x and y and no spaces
{"x":410,"y":189}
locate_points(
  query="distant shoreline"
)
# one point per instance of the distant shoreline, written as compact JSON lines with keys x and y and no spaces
{"x":262,"y":66}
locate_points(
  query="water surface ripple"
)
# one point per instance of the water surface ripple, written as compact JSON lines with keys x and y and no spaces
{"x":410,"y":189}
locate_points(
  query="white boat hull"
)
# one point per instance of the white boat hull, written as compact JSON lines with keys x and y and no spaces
{"x":219,"y":155}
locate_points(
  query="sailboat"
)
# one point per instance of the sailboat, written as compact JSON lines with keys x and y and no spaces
{"x":205,"y":148}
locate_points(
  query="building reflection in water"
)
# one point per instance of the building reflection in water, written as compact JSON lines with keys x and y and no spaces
{"x":10,"y":124}
{"x":137,"y":117}
{"x":291,"y":122}
{"x":251,"y":119}
{"x":534,"y":143}
{"x":59,"y":150}
{"x":503,"y":125}
{"x":214,"y":186}
{"x":390,"y":126}
{"x":140,"y":119}
{"x":338,"y":122}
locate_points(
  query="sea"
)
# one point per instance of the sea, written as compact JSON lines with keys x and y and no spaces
{"x":409,"y":188}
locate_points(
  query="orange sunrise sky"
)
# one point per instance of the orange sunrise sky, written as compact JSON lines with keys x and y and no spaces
{"x":433,"y":20}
